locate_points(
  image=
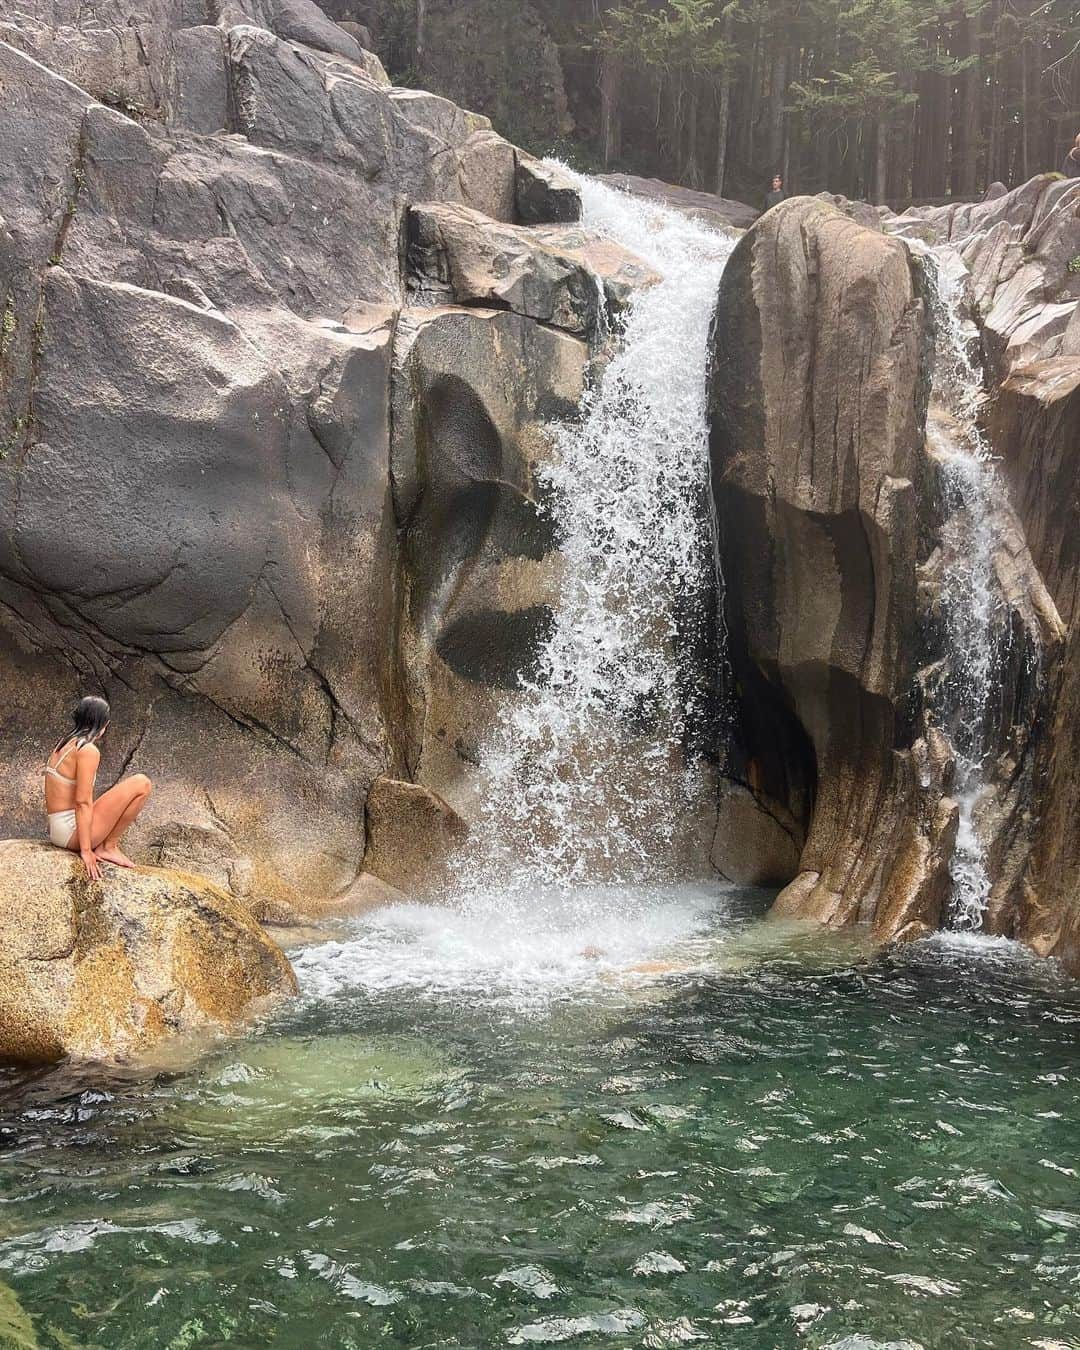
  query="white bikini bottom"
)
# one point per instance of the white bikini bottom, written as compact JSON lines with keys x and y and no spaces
{"x":61,"y":827}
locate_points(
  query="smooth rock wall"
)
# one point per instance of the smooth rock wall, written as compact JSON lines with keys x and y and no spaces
{"x":818,"y":401}
{"x":208,"y":322}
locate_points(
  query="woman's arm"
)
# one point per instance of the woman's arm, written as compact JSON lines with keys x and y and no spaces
{"x":86,"y":767}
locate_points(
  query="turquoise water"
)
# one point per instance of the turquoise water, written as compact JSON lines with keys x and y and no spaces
{"x":783,"y":1140}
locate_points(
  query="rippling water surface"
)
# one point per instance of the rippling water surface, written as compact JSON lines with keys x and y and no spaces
{"x":720,"y":1131}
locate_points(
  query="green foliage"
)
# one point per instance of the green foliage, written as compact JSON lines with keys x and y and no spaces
{"x":16,"y":1329}
{"x":1073,"y":265}
{"x":864,"y":90}
{"x":683,"y":36}
{"x":921,"y":97}
{"x":130,"y":107}
{"x":8,"y":324}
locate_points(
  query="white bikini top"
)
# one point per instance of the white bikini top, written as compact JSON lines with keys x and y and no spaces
{"x":52,"y":768}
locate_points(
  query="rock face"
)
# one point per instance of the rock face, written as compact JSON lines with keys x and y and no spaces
{"x":1035,"y":425}
{"x":835,"y":530}
{"x":101,"y":970}
{"x":1023,"y":252}
{"x":1022,"y":249}
{"x":718,"y":212}
{"x":280,"y":350}
{"x":206,"y":322}
{"x":817,"y":426}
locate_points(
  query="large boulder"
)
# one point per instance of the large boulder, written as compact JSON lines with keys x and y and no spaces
{"x":816,"y":435}
{"x":105,"y":970}
{"x":721,"y":213}
{"x":1035,"y":427}
{"x":839,"y":534}
{"x":478,"y":552}
{"x":456,"y":257}
{"x":545,"y":194}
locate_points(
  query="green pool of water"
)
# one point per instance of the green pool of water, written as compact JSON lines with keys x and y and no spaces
{"x":785,"y":1140}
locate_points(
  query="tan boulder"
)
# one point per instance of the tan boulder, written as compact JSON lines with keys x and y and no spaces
{"x":411,"y":834}
{"x":102,"y":970}
{"x":458,"y":256}
{"x":557,"y":274}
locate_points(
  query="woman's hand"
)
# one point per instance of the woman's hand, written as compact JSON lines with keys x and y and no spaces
{"x":90,"y":862}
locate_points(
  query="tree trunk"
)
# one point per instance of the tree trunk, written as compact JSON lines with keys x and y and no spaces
{"x":822,"y":140}
{"x":723,"y":114}
{"x":421,"y":26}
{"x":673,"y":127}
{"x":722,"y":119}
{"x":920,"y":166}
{"x":1025,"y":131}
{"x":785,"y":157}
{"x":777,"y":97}
{"x":969,"y":110}
{"x":993,"y":153}
{"x":754,"y":95}
{"x":936,"y":136}
{"x":610,"y":113}
{"x":898,"y":189}
{"x":881,"y":160}
{"x":692,"y":169}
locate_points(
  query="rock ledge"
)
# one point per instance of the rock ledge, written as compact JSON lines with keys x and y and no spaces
{"x":102,"y":970}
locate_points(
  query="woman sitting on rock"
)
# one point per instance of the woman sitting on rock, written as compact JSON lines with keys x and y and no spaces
{"x":76,"y":821}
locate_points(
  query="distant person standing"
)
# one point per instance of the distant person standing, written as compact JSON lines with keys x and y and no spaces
{"x":777,"y":194}
{"x":1071,"y":166}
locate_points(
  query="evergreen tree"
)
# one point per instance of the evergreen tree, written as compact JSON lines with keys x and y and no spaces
{"x":883,"y":99}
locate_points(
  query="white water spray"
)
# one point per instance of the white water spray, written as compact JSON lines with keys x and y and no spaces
{"x":585,"y":778}
{"x":970,"y":604}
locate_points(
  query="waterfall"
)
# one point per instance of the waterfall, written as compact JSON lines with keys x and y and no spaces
{"x":970,"y":604}
{"x":586,"y":777}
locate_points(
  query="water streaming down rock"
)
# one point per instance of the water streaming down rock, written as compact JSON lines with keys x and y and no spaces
{"x":586,"y":777}
{"x":970,"y":606}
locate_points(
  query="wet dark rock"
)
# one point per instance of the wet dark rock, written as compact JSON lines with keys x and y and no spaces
{"x":544,"y":194}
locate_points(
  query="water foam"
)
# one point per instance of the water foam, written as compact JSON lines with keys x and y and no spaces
{"x":586,"y":941}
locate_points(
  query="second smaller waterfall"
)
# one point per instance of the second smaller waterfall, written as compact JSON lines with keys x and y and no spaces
{"x":970,"y":606}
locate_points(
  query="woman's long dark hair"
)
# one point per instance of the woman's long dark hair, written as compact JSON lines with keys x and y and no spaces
{"x":91,"y":717}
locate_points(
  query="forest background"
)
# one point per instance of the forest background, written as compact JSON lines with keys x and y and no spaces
{"x":886,"y":100}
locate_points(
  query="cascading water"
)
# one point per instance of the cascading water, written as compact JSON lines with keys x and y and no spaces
{"x":970,"y":604}
{"x":589,"y":787}
{"x":585,"y":778}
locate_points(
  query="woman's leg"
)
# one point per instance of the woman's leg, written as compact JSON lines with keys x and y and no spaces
{"x":113,"y":813}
